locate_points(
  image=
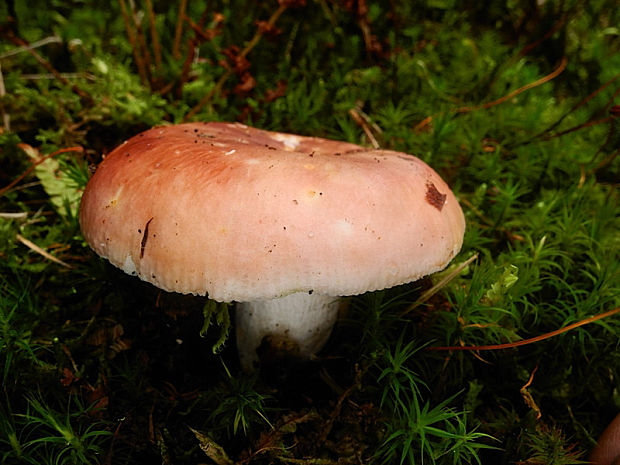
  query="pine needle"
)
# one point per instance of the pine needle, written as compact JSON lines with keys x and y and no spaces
{"x":32,"y":246}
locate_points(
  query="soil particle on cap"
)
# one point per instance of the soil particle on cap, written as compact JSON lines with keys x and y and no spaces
{"x":145,"y":236}
{"x":434,"y":197}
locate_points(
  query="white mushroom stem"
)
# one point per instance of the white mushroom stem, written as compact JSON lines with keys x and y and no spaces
{"x":300,"y":323}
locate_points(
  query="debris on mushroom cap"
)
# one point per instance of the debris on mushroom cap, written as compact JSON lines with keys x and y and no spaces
{"x":245,"y":214}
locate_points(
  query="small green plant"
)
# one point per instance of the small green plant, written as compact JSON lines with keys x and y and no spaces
{"x":420,"y":433}
{"x":239,"y":407}
{"x":435,"y":435}
{"x":49,"y":436}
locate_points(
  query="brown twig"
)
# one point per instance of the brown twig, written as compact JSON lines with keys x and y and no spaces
{"x":327,"y":427}
{"x":224,"y":77}
{"x":133,"y":41}
{"x":154,"y":35}
{"x":32,"y":246}
{"x":178,"y":32}
{"x":555,"y":73}
{"x":527,"y":395}
{"x":363,"y":20}
{"x":144,"y":49}
{"x":13,"y":183}
{"x":199,"y":36}
{"x":364,"y":125}
{"x":555,"y":28}
{"x":6,"y":118}
{"x":573,"y":109}
{"x":36,"y":44}
{"x":48,"y":66}
{"x":187,"y":65}
{"x":532,"y":340}
{"x":441,"y":284}
{"x":587,"y":124}
{"x":426,"y":121}
{"x":606,"y":161}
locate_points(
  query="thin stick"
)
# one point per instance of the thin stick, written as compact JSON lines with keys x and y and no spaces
{"x":524,"y":342}
{"x":31,"y":46}
{"x":361,"y":122}
{"x":40,"y":76}
{"x":544,"y":135}
{"x":154,"y":35}
{"x":191,"y":50}
{"x":192,"y":43}
{"x":606,"y":161}
{"x":527,"y":395}
{"x":25,"y":46}
{"x":5,"y":189}
{"x":433,"y":290}
{"x":426,"y":121}
{"x":178,"y":32}
{"x":140,"y":36}
{"x":578,"y":127}
{"x":576,"y":106}
{"x":13,"y":216}
{"x":187,"y":66}
{"x":40,"y":251}
{"x":6,"y":118}
{"x":555,"y":73}
{"x":555,"y":28}
{"x":133,"y":41}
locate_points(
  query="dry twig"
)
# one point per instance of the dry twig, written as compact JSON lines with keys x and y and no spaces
{"x":532,"y":340}
{"x":178,"y":32}
{"x":527,"y":395}
{"x":154,"y":35}
{"x":32,"y":246}
{"x":13,"y":183}
{"x":441,"y":284}
{"x":135,"y":46}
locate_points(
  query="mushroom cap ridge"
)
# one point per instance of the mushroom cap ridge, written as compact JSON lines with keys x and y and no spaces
{"x":243,"y":214}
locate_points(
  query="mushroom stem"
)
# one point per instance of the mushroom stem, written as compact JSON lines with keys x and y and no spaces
{"x":298,"y":324}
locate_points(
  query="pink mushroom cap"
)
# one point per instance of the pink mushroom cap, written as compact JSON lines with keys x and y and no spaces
{"x":243,"y":214}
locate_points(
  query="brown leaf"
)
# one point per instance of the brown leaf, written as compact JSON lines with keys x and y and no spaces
{"x":68,"y":377}
{"x":246,"y":85}
{"x":274,"y":94}
{"x":268,"y":30}
{"x":213,"y":450}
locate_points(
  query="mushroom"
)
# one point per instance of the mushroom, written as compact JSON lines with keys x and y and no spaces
{"x":607,"y":450}
{"x":280,"y":223}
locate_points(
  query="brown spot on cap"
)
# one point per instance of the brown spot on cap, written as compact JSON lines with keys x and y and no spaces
{"x":434,"y":197}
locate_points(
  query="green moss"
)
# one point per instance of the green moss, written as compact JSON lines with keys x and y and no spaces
{"x":98,"y":367}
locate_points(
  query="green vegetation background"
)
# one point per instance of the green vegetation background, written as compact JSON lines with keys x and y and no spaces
{"x":514,"y":103}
